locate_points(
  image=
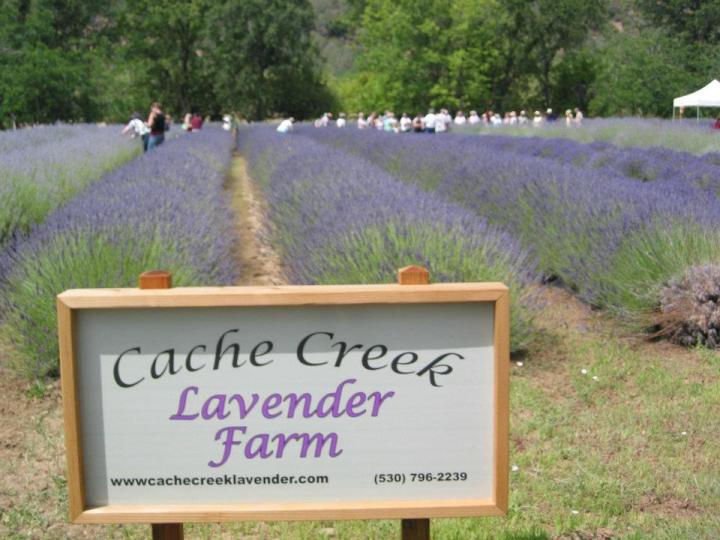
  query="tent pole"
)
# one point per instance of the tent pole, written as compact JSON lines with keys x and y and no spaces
{"x":673,"y":113}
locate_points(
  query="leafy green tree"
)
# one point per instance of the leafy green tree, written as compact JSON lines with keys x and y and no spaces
{"x":537,"y":34}
{"x":166,"y":43}
{"x":641,"y":73}
{"x":695,"y":22}
{"x":428,"y":52}
{"x":264,"y":60}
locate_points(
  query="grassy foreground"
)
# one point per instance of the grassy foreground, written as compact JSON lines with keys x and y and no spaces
{"x":611,"y":437}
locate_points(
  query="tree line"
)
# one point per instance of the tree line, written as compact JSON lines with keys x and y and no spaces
{"x":608,"y":57}
{"x":90,"y":60}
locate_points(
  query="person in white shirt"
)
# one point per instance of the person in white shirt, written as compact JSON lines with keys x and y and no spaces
{"x":523,"y":119}
{"x":341,"y":120}
{"x":474,"y":118}
{"x":513,"y":118}
{"x":442,"y":121}
{"x":496,"y":120}
{"x":405,"y":123}
{"x":139,"y":129}
{"x":429,"y":121}
{"x":538,"y":119}
{"x":460,"y":118}
{"x":361,"y":123}
{"x":286,"y":125}
{"x":578,"y":116}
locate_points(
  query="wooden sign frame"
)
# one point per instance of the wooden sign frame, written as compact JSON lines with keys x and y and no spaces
{"x":70,"y":302}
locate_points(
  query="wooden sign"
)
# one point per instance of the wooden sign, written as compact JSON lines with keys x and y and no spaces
{"x":279,"y":403}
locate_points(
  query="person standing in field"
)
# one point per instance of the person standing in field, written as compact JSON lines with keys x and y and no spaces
{"x":405,"y":123}
{"x":429,"y":121}
{"x":418,"y":125}
{"x":578,"y":116}
{"x":156,"y":121}
{"x":474,"y":118}
{"x":139,"y":129}
{"x":361,"y":123}
{"x":460,"y":118}
{"x":341,"y":120}
{"x":196,"y":122}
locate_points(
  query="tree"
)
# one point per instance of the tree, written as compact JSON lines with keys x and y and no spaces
{"x":409,"y":61}
{"x":641,"y":73}
{"x":166,"y":43}
{"x":264,"y":60}
{"x":695,"y":22}
{"x":538,"y":33}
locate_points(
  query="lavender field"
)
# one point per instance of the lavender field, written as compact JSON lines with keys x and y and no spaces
{"x":617,"y":241}
{"x":45,"y":166}
{"x":602,"y":247}
{"x":686,"y":135}
{"x":165,"y":209}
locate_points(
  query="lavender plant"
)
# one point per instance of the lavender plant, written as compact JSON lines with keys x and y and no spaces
{"x":43,"y":167}
{"x":167,"y":209}
{"x":685,"y":135}
{"x":339,"y":219}
{"x":614,"y":240}
{"x":690,"y":307}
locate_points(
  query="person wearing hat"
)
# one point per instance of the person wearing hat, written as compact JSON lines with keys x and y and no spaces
{"x":549,"y":116}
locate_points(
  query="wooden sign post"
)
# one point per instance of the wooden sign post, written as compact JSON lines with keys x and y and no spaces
{"x":414,"y":529}
{"x":159,"y":279}
{"x":220,"y":404}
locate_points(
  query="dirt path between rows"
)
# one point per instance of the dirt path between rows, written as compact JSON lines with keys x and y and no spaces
{"x":259,"y":263}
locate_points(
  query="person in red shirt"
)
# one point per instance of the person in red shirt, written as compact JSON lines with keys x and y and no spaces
{"x":716,"y":125}
{"x":196,"y":122}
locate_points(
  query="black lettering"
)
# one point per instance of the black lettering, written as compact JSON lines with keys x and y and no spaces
{"x":254,"y":353}
{"x":188,"y":365}
{"x":116,"y":370}
{"x":366,"y":356}
{"x":234,"y":346}
{"x":430,"y":368}
{"x":344,"y":350}
{"x":396,"y":363}
{"x":170,"y":365}
{"x":301,"y":348}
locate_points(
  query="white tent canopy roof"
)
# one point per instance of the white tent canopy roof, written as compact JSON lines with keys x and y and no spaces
{"x":708,"y":96}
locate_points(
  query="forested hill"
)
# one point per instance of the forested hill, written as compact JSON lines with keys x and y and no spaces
{"x":100,"y":60}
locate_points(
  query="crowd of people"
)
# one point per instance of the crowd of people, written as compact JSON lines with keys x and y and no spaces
{"x":152,"y":130}
{"x":441,"y":121}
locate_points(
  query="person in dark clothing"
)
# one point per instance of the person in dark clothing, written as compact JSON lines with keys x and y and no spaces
{"x":156,"y":121}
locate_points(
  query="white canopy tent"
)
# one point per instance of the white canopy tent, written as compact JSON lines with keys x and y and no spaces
{"x":707,"y":96}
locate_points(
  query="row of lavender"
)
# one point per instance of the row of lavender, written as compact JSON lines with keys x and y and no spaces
{"x":618,"y":242}
{"x":42,"y":167}
{"x":338,"y":219}
{"x":645,"y":164}
{"x":166,"y":209}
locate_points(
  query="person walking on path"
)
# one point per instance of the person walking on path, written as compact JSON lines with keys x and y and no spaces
{"x":156,"y":121}
{"x":139,"y":129}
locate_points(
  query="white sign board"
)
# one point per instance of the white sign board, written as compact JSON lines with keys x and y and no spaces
{"x":344,"y":405}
